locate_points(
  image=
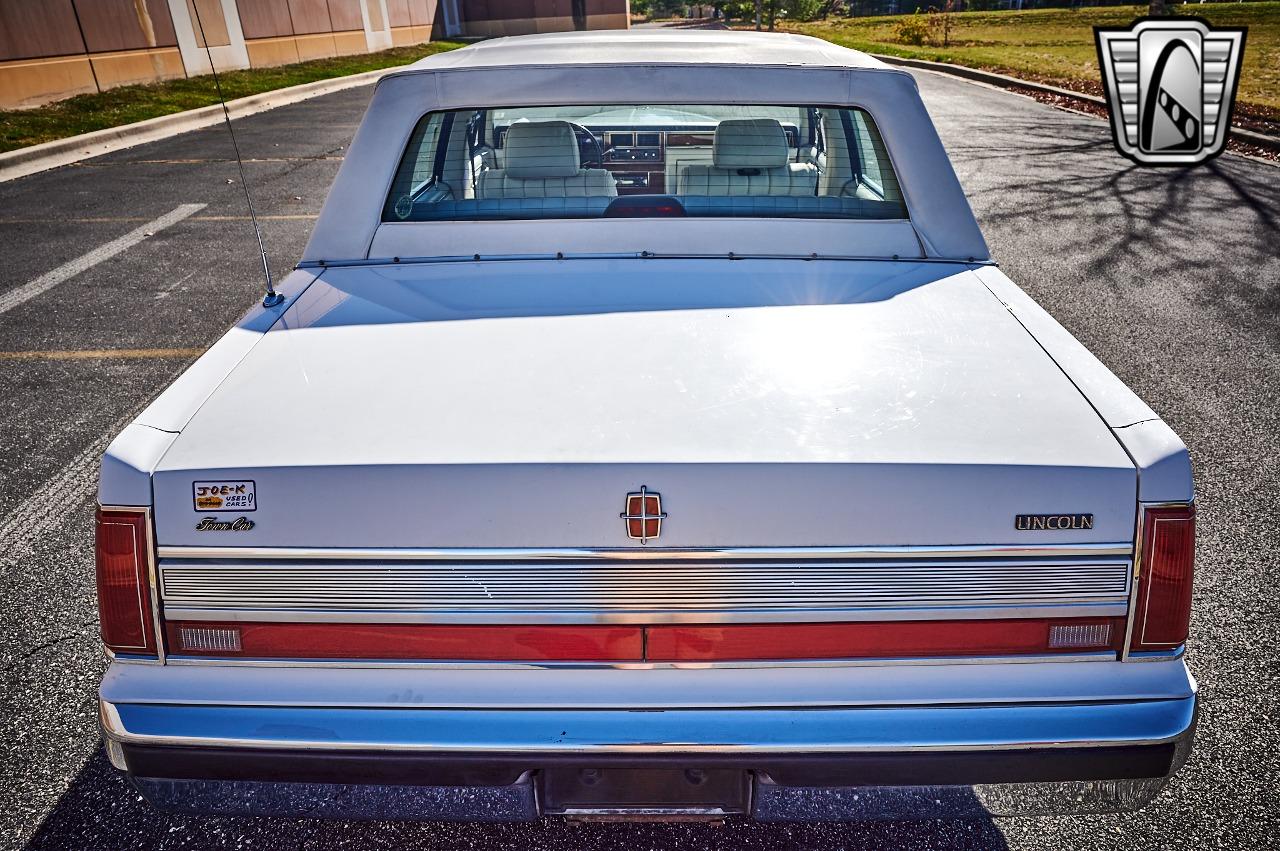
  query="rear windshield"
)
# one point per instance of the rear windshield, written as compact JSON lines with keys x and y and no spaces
{"x":553,"y":162}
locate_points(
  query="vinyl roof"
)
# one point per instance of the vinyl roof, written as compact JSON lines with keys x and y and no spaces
{"x":644,"y":67}
{"x":651,"y":47}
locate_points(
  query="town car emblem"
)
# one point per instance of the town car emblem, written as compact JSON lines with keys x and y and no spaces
{"x":644,"y":515}
{"x":1171,"y":84}
{"x":213,"y":524}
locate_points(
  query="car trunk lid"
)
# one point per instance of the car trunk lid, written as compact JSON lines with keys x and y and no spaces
{"x":770,"y":403}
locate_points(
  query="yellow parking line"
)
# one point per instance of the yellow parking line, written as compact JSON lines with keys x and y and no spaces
{"x":278,"y":218}
{"x":77,"y":220}
{"x":104,"y":354}
{"x":99,"y":164}
{"x":97,"y":220}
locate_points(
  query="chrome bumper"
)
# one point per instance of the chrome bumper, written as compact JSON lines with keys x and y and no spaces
{"x":804,"y":763}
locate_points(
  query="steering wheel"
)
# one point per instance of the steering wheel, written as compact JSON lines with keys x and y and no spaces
{"x":596,"y":161}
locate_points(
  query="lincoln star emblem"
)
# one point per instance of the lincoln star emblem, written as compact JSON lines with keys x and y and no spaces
{"x":644,"y":515}
{"x":1170,"y":85}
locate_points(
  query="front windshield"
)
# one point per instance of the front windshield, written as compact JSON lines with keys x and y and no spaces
{"x":638,"y":160}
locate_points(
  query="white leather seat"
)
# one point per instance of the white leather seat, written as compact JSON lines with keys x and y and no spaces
{"x":540,"y":160}
{"x":750,"y":156}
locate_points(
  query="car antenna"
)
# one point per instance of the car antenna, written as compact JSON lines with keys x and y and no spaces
{"x":272,"y":298}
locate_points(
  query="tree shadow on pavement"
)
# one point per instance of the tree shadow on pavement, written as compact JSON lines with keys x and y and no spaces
{"x":1076,"y":210}
{"x":101,"y":810}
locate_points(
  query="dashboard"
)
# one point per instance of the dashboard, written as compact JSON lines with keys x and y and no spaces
{"x":637,"y":160}
{"x":647,"y":161}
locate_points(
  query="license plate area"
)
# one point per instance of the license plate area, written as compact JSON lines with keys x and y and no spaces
{"x":619,"y":792}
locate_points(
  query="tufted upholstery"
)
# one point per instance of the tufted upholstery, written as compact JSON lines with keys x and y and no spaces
{"x":540,"y":160}
{"x":750,"y":143}
{"x":540,"y":149}
{"x":588,"y":183}
{"x":750,"y":156}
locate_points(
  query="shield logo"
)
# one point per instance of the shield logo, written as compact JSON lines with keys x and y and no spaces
{"x":1171,"y":85}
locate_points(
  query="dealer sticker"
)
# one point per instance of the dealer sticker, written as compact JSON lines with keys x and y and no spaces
{"x":224,"y":496}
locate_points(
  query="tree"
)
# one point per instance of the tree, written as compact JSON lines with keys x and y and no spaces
{"x":806,"y":10}
{"x":940,"y":24}
{"x":771,"y":10}
{"x":759,"y":11}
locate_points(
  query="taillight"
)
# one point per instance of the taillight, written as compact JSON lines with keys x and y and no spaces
{"x":505,"y":642}
{"x":124,"y":587}
{"x":658,"y":643}
{"x":1163,"y":609}
{"x":882,"y":639}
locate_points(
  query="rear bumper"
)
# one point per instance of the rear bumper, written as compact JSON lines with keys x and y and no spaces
{"x":800,"y":763}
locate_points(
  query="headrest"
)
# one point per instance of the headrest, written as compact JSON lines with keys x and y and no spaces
{"x":534,"y":149}
{"x":750,"y":143}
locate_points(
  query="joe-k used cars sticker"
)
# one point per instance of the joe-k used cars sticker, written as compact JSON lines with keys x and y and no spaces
{"x":224,"y":496}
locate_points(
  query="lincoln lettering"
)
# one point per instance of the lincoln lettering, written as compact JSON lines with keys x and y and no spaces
{"x":1048,"y":522}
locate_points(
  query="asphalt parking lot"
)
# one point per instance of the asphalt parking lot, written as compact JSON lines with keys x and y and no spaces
{"x":1171,"y":276}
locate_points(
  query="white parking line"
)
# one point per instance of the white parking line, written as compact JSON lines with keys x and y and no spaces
{"x":48,"y":508}
{"x":50,"y":279}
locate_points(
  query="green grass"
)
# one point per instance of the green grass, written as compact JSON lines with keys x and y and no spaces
{"x":127,"y":104}
{"x":1056,"y":45}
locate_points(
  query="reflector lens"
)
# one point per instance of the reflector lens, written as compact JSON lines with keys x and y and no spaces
{"x":1163,"y":611}
{"x":1079,"y":635}
{"x":206,"y":640}
{"x":124,"y":590}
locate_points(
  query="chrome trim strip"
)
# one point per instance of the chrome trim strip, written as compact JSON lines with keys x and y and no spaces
{"x":1135,"y":571}
{"x":1158,"y":655}
{"x":639,"y":592}
{"x":115,"y":754}
{"x":653,"y":553}
{"x":649,"y":616}
{"x":153,"y":572}
{"x":397,"y":664}
{"x":515,"y":731}
{"x":624,"y":255}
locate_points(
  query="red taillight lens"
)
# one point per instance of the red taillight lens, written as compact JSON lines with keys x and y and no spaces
{"x":901,"y":639}
{"x":1163,"y":610}
{"x":624,"y":643}
{"x":124,"y":588}
{"x":533,"y":643}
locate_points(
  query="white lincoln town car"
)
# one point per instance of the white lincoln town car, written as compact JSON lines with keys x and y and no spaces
{"x":647,"y":431}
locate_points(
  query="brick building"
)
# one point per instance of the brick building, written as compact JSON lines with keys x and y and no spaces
{"x":51,"y":49}
{"x":486,"y":18}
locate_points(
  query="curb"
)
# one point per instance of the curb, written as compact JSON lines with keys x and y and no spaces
{"x":59,"y":152}
{"x":1005,"y":82}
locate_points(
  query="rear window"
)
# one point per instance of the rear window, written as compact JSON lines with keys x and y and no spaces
{"x":645,"y":160}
